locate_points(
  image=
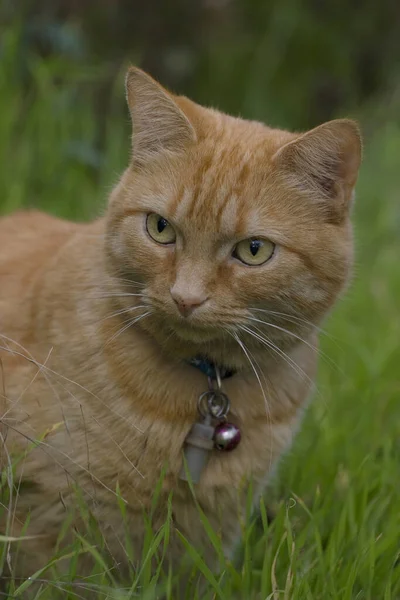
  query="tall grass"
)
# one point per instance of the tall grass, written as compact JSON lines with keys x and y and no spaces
{"x":337,"y":493}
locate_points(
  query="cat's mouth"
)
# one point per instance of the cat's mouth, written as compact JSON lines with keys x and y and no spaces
{"x":191,"y":332}
{"x":186,"y":330}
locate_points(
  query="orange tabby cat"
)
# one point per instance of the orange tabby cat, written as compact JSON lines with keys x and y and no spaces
{"x":225,"y":240}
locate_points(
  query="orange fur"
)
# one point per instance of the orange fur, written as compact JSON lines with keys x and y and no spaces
{"x":115,"y":405}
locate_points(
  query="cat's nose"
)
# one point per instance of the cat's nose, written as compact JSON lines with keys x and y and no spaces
{"x":186,"y":304}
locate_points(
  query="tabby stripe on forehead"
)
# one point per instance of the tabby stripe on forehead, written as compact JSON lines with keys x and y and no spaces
{"x":233,"y":195}
{"x":200,"y":182}
{"x":176,"y":201}
{"x":184,"y":202}
{"x":223,"y":205}
{"x":205,"y":191}
{"x":242,"y":208}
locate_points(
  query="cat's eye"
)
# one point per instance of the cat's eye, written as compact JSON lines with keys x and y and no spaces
{"x":254,"y":251}
{"x":159,"y":229}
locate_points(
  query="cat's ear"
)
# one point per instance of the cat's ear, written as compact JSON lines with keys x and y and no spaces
{"x":324,"y":163}
{"x":158,"y":124}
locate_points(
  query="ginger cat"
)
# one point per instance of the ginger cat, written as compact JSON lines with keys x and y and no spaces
{"x":224,"y":239}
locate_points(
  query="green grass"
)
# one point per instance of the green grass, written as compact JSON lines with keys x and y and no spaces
{"x":337,"y":493}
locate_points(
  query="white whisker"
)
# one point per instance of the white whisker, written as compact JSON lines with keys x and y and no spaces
{"x":286,"y":331}
{"x":297,"y":337}
{"x":269,"y":344}
{"x":124,"y":280}
{"x":290,"y":317}
{"x":236,"y":337}
{"x":116,"y":295}
{"x":130,"y":323}
{"x":267,"y":407}
{"x":123,"y":311}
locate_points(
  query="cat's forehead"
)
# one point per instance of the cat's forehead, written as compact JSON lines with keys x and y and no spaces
{"x":223,"y":192}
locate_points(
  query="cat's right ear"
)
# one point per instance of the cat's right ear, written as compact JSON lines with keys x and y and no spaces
{"x":324,"y":163}
{"x":159,"y":125}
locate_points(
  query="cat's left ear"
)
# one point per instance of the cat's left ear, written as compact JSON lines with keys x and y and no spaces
{"x":324,"y":163}
{"x":159,"y":125}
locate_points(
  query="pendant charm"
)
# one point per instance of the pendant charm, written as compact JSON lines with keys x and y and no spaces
{"x":198,"y":445}
{"x":212,"y":432}
{"x":226,"y":436}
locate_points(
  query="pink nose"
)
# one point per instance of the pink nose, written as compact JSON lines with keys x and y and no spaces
{"x":187,"y":304}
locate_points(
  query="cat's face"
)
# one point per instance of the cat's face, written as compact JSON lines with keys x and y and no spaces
{"x":231,"y":231}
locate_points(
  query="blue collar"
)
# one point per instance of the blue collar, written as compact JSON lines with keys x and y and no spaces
{"x":208,"y":368}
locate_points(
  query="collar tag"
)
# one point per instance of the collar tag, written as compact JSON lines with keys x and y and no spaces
{"x":210,"y":432}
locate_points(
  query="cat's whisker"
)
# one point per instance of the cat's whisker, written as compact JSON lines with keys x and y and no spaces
{"x":290,"y":317}
{"x":130,"y":323}
{"x":122,"y":286}
{"x":122,"y":311}
{"x":116,"y":295}
{"x":295,"y":319}
{"x":288,"y":359}
{"x":257,"y":335}
{"x":246,"y":352}
{"x":283,"y":330}
{"x":267,"y":407}
{"x":123,"y":279}
{"x":297,"y":337}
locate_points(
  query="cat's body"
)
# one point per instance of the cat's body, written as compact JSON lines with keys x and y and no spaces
{"x":115,"y":406}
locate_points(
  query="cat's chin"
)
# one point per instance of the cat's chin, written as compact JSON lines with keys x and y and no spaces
{"x":195,"y":335}
{"x":182,"y":333}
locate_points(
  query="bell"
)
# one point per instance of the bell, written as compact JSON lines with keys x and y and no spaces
{"x":226,"y":436}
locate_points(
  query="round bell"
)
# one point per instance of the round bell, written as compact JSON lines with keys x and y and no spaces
{"x":226,"y":436}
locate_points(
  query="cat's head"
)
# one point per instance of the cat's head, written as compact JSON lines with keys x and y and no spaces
{"x":226,"y":225}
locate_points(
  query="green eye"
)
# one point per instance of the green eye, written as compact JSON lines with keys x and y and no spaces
{"x":254,"y":252}
{"x":159,"y":229}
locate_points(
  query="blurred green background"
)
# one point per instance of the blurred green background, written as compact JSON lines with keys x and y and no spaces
{"x":291,"y":63}
{"x":64,"y":140}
